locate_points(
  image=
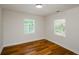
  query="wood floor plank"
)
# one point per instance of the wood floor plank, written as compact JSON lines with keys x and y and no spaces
{"x":39,"y":47}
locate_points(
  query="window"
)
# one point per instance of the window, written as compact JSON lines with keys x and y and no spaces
{"x":29,"y":26}
{"x":59,"y":27}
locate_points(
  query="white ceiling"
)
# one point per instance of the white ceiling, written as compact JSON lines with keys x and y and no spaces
{"x":46,"y":10}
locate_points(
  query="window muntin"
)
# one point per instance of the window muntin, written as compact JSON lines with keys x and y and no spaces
{"x":59,"y":27}
{"x":29,"y":26}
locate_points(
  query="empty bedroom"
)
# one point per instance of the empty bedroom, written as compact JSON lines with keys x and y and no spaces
{"x":39,"y":29}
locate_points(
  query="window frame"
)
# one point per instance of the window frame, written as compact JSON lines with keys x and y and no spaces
{"x":27,"y":26}
{"x":63,"y":22}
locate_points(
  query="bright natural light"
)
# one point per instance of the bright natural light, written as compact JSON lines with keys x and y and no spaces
{"x":39,"y":6}
{"x":29,"y":26}
{"x":59,"y":27}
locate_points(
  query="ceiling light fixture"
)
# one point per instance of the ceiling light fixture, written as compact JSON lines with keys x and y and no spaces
{"x":39,"y":6}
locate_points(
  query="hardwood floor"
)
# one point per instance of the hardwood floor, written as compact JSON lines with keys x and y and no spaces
{"x":39,"y":47}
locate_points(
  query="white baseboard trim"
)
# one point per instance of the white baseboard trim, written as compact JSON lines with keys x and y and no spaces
{"x":77,"y":52}
{"x":20,"y":42}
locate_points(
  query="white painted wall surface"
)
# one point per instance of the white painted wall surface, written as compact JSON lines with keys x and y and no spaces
{"x":14,"y":28}
{"x":1,"y":44}
{"x":71,"y":41}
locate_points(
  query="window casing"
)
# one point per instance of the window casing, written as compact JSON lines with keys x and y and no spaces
{"x":59,"y":27}
{"x":29,"y":26}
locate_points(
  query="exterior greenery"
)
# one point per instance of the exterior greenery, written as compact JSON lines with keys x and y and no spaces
{"x":59,"y":27}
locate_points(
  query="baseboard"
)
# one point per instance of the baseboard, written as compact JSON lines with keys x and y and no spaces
{"x":38,"y":43}
{"x":20,"y":43}
{"x":65,"y":47}
{"x":35,"y":40}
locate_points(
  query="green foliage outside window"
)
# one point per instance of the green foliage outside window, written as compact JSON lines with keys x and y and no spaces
{"x":59,"y":27}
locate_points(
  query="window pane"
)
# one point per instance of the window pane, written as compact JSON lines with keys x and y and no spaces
{"x":59,"y":27}
{"x":29,"y":26}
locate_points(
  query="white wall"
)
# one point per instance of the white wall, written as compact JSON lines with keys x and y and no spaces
{"x":14,"y":28}
{"x":71,"y":41}
{"x":0,"y":30}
